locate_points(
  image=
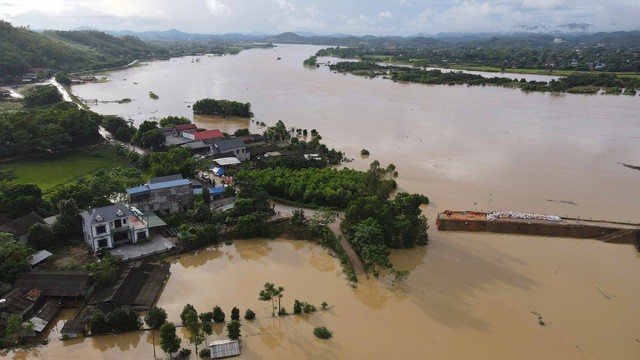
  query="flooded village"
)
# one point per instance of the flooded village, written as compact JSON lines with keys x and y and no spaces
{"x":504,"y":287}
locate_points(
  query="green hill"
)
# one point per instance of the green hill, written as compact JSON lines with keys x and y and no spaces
{"x":21,"y":49}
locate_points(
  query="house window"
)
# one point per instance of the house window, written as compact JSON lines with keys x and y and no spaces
{"x":102,"y":243}
{"x":101,"y":229}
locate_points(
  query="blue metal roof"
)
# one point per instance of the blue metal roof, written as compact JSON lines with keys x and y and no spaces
{"x":168,"y":184}
{"x":138,"y":190}
{"x":212,"y":190}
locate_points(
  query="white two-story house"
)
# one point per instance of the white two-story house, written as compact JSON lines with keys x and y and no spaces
{"x":111,"y":226}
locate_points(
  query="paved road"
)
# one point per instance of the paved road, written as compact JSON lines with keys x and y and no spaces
{"x":283,"y":210}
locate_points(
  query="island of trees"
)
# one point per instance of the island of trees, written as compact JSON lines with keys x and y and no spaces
{"x":582,"y":83}
{"x":222,"y":108}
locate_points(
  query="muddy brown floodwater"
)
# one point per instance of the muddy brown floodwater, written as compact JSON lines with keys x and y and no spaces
{"x":475,"y":295}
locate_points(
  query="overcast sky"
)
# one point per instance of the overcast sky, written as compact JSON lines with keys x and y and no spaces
{"x":359,"y":17}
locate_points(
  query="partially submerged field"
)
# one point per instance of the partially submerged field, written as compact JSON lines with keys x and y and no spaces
{"x":47,"y":171}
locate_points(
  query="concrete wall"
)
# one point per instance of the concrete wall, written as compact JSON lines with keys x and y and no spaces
{"x":540,"y":229}
{"x":169,"y":200}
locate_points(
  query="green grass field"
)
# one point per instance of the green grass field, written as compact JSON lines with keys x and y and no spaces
{"x":49,"y":171}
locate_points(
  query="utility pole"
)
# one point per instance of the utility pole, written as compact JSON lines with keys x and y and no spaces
{"x":153,"y":336}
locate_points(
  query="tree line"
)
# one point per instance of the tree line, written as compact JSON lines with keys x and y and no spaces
{"x":222,"y":107}
{"x":614,"y":59}
{"x":48,"y":130}
{"x":438,"y":77}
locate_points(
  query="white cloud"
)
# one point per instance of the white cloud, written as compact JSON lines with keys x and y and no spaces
{"x":217,"y":7}
{"x":378,"y":17}
{"x":284,"y":4}
{"x":542,"y":4}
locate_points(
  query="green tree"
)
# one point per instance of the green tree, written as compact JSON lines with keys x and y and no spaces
{"x":40,"y":235}
{"x":175,"y":161}
{"x":218,"y":315}
{"x":233,"y":330}
{"x":322,"y":332}
{"x":235,"y":314}
{"x":155,"y":317}
{"x":14,"y":259}
{"x":400,"y":275}
{"x":6,"y":177}
{"x":206,"y":196}
{"x":271,"y":293}
{"x":153,"y":139}
{"x":207,"y":328}
{"x":103,"y":271}
{"x":186,"y":310}
{"x":193,"y":325}
{"x":377,"y":257}
{"x":297,"y":307}
{"x":249,"y":315}
{"x":63,"y":79}
{"x":174,"y":120}
{"x":42,"y":95}
{"x":98,"y":323}
{"x":20,"y":199}
{"x":67,"y":221}
{"x":169,"y":341}
{"x":241,"y":132}
{"x":145,"y":127}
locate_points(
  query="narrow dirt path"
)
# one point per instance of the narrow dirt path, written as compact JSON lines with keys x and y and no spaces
{"x":358,"y":267}
{"x":283,"y":210}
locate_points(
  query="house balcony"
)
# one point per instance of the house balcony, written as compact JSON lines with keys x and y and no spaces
{"x":120,"y":230}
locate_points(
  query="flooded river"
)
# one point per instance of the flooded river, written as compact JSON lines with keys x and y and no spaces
{"x":469,"y":295}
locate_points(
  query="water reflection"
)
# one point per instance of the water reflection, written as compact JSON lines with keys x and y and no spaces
{"x":224,"y":124}
{"x":200,"y":257}
{"x":250,"y":250}
{"x":123,"y":342}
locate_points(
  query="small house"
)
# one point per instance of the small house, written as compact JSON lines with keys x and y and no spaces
{"x":230,"y":147}
{"x":202,"y":135}
{"x":224,"y":348}
{"x":19,"y":227}
{"x":111,"y":226}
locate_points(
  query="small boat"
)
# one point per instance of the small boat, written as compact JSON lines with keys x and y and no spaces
{"x":279,"y":58}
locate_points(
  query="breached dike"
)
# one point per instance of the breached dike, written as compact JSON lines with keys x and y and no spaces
{"x":540,"y":225}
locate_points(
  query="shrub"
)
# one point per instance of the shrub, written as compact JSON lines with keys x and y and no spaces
{"x":218,"y":315}
{"x":249,"y":315}
{"x":155,"y":317}
{"x":184,"y":353}
{"x":205,"y":353}
{"x":322,"y":332}
{"x":235,"y":314}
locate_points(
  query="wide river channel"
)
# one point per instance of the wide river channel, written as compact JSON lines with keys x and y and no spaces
{"x":469,"y":295}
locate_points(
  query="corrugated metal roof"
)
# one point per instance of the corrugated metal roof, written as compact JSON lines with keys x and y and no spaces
{"x":227,"y":145}
{"x":168,"y":184}
{"x":224,"y":348}
{"x":209,"y":134}
{"x":212,"y":191}
{"x":56,"y":283}
{"x":165,"y":178}
{"x":39,"y":256}
{"x":227,"y":161}
{"x":138,"y":190}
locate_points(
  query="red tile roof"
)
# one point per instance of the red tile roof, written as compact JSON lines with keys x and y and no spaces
{"x":209,"y":134}
{"x":183,"y":127}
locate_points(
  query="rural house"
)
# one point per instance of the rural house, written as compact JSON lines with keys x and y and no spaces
{"x":166,"y":195}
{"x":115,"y":225}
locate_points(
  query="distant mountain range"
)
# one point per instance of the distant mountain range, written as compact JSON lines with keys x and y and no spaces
{"x":530,"y":36}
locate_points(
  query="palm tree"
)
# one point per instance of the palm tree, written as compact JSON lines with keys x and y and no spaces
{"x":270,"y":293}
